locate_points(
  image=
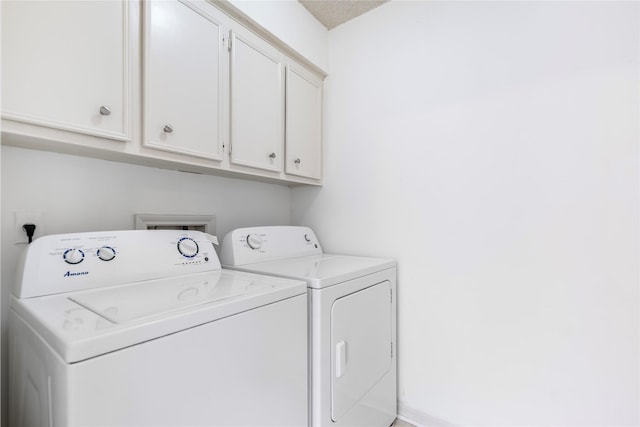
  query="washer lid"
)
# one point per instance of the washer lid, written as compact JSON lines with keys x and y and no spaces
{"x":320,"y":271}
{"x":131,"y":303}
{"x":105,"y":320}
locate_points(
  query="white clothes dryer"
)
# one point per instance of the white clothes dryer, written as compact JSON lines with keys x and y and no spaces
{"x":352,"y":320}
{"x":143,"y":328}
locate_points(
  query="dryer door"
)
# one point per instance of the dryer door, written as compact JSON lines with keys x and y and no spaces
{"x":361,"y":345}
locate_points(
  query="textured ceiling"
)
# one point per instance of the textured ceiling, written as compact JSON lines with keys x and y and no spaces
{"x":335,"y":12}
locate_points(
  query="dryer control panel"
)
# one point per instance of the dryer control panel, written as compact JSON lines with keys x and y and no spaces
{"x":71,"y":262}
{"x":258,"y":244}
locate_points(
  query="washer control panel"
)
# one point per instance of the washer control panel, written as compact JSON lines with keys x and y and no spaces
{"x":258,"y":244}
{"x":68,"y":262}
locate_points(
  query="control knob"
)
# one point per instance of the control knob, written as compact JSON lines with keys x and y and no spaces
{"x":188,"y":247}
{"x":73,"y":256}
{"x":254,"y":241}
{"x":106,"y":253}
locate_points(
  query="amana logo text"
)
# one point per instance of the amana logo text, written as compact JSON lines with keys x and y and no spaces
{"x":80,"y":273}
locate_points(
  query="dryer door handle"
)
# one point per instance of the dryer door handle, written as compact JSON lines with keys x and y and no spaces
{"x":341,"y":358}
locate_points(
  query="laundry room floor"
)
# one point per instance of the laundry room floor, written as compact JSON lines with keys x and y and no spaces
{"x":400,"y":423}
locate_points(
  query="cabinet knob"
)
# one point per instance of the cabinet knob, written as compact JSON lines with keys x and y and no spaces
{"x":105,"y":111}
{"x":272,"y":155}
{"x":168,"y":128}
{"x":297,"y":161}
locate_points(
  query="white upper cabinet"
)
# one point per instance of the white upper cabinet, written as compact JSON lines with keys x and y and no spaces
{"x":65,"y":65}
{"x":184,"y":78}
{"x":192,"y":85}
{"x":303,"y":123}
{"x":257,"y":102}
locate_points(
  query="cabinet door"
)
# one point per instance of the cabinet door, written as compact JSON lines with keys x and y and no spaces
{"x":65,"y":65}
{"x":257,"y":103}
{"x":303,"y":124}
{"x":184,"y":75}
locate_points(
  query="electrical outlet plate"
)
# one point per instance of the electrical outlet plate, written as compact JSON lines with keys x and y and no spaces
{"x":204,"y":223}
{"x":28,"y":217}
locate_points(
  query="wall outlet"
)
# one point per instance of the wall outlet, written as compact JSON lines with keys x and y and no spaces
{"x":28,"y":217}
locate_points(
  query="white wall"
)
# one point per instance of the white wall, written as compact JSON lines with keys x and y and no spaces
{"x":492,"y":148}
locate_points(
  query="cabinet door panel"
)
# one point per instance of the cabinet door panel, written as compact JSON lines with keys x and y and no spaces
{"x":303,"y":124}
{"x":64,"y":60}
{"x":257,"y":103}
{"x":184,"y":75}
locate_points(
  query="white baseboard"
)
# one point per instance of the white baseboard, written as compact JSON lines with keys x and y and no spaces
{"x":419,"y":418}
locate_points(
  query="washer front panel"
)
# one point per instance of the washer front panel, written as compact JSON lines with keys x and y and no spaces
{"x":249,"y":369}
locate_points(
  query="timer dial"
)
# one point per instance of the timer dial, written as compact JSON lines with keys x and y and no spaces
{"x":106,"y":253}
{"x":73,"y":256}
{"x":188,"y":247}
{"x":254,"y":241}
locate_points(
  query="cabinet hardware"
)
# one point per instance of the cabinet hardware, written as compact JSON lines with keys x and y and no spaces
{"x":105,"y":111}
{"x":168,"y":128}
{"x":297,"y":161}
{"x":272,"y":155}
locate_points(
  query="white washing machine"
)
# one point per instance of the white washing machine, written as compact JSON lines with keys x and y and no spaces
{"x":143,"y":328}
{"x":352,"y":320}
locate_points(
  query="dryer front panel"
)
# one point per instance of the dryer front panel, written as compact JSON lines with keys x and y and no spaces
{"x":361,"y":343}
